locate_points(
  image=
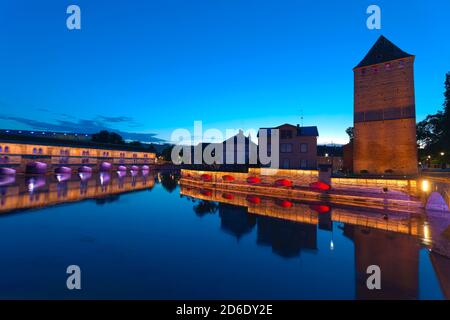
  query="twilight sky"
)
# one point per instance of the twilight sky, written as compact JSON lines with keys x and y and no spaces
{"x":151,"y":66}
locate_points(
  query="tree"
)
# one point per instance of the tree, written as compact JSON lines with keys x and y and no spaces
{"x":151,"y":148}
{"x":350,"y":131}
{"x":446,"y":116}
{"x":167,"y":153}
{"x":107,"y":137}
{"x":135,"y":143}
{"x":430,"y":131}
{"x":433,"y":133}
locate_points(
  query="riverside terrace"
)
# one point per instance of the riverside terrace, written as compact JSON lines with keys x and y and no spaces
{"x":52,"y":155}
{"x":410,"y":195}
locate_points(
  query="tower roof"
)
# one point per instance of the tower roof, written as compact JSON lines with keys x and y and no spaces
{"x":382,"y":51}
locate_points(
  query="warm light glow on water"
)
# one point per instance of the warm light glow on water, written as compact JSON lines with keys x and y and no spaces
{"x":136,"y":237}
{"x":425,"y":186}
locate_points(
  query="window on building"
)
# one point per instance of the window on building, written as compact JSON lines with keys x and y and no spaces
{"x":303,"y":147}
{"x":6,"y":149}
{"x":303,"y":163}
{"x":40,"y":151}
{"x":286,"y":147}
{"x":1,"y":149}
{"x":286,"y":134}
{"x":34,"y":150}
{"x":401,"y":64}
{"x":363,"y":72}
{"x":388,"y":66}
{"x":285,"y":164}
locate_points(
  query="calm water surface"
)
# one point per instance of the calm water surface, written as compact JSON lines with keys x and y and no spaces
{"x":139,"y":237}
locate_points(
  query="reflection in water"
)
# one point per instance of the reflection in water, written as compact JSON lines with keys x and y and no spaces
{"x":396,"y":254}
{"x":235,"y":220}
{"x":107,"y":199}
{"x":289,"y":227}
{"x":205,"y":207}
{"x":39,"y":191}
{"x":35,"y":183}
{"x":265,"y":247}
{"x":286,"y":238}
{"x":7,"y":180}
{"x":169,"y":181}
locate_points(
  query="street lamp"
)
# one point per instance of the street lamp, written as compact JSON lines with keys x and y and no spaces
{"x":442,"y":154}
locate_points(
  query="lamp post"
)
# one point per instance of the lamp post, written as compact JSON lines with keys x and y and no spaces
{"x":442,"y":160}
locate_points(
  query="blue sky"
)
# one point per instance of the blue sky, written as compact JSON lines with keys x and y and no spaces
{"x":153,"y":66}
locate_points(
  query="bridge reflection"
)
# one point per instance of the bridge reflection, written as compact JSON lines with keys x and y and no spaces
{"x":391,"y":240}
{"x":22,"y":192}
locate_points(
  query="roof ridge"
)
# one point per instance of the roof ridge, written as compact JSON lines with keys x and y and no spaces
{"x":382,"y":51}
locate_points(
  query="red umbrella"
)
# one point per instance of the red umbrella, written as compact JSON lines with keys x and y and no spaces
{"x":254,"y":199}
{"x":207,"y":193}
{"x":228,"y":178}
{"x":253,"y":180}
{"x":284,"y":183}
{"x":285,"y":203}
{"x":319,"y":185}
{"x":228,"y":196}
{"x":320,"y":208}
{"x":206,"y":177}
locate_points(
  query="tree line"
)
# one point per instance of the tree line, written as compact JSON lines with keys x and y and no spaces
{"x":433,"y":133}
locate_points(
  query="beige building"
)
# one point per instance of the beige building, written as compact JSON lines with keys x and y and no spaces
{"x":17,"y":155}
{"x":297,"y":146}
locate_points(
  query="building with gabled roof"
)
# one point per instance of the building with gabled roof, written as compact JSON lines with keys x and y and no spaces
{"x":297,"y":146}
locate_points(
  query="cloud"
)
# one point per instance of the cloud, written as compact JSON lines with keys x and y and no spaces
{"x":88,"y":126}
{"x":116,"y":119}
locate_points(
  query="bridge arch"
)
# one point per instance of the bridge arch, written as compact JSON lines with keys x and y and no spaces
{"x":437,"y":191}
{"x":436,"y":202}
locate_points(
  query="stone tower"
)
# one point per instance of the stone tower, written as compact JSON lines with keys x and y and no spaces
{"x":384,"y":112}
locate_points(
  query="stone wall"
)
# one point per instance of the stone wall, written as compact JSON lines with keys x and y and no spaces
{"x":385,"y":125}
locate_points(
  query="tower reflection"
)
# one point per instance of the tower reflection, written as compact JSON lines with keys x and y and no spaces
{"x":392,"y":241}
